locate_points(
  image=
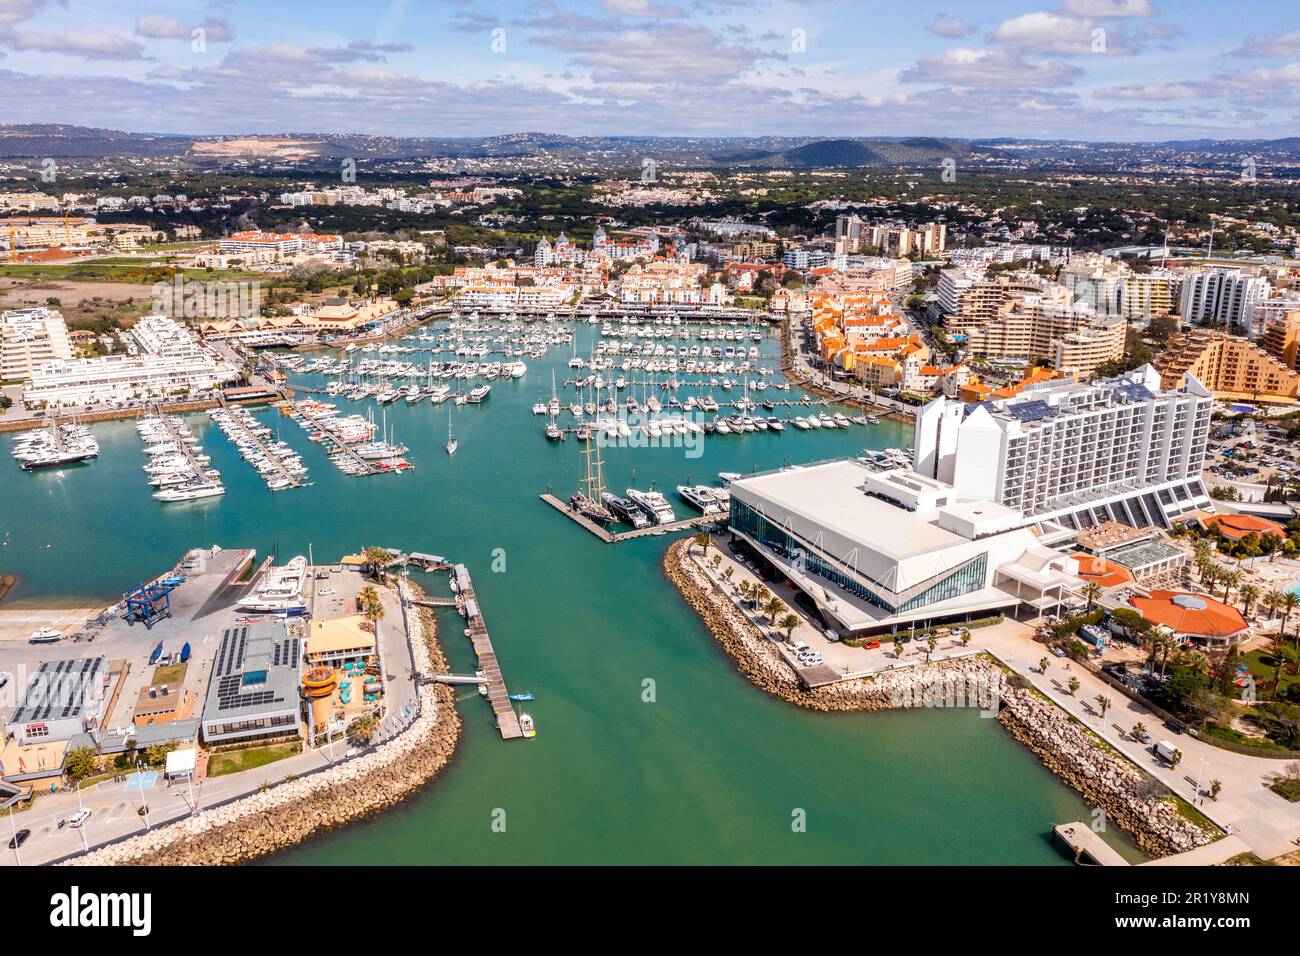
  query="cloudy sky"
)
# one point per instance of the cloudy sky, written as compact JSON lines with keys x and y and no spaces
{"x":1088,"y":69}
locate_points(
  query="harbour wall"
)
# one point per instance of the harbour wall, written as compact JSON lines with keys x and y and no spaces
{"x":289,"y":813}
{"x":1127,"y":797}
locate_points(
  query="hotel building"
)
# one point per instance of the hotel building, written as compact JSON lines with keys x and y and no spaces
{"x":1220,"y":295}
{"x":1121,"y":449}
{"x":880,"y":551}
{"x":28,"y":339}
{"x":253,"y":693}
{"x":171,"y":361}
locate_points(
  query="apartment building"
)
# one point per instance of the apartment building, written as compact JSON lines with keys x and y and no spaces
{"x":896,"y":241}
{"x":974,"y":303}
{"x":1075,"y":338}
{"x":281,"y":243}
{"x":1228,"y":365}
{"x":1220,"y":295}
{"x":1148,"y":295}
{"x":1122,"y":449}
{"x":29,"y":338}
{"x":170,"y":361}
{"x":1281,"y":337}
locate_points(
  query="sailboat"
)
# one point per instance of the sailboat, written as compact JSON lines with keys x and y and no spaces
{"x":588,"y":502}
{"x":452,"y":444}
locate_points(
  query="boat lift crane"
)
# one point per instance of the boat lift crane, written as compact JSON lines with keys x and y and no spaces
{"x":149,"y":604}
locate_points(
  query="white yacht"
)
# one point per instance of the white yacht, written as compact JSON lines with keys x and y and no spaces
{"x":280,"y":588}
{"x":655,"y":505}
{"x":190,"y":492}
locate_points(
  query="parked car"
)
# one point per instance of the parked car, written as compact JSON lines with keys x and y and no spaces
{"x":79,"y":818}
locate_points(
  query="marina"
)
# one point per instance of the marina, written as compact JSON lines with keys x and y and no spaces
{"x":507,"y":721}
{"x":584,"y":623}
{"x":274,"y":460}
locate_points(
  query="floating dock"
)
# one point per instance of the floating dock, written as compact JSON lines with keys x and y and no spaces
{"x":498,"y":696}
{"x":609,"y":537}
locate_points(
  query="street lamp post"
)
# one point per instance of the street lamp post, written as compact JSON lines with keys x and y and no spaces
{"x":13,"y":828}
{"x":81,"y":809}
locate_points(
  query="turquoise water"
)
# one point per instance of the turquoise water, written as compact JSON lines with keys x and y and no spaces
{"x":711,"y":772}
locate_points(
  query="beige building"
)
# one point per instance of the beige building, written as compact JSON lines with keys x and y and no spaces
{"x":1282,"y":338}
{"x":1228,"y":365}
{"x":28,"y":339}
{"x":1073,"y":337}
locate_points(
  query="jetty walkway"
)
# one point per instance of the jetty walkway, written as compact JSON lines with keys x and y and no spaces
{"x":498,"y":696}
{"x":685,"y":524}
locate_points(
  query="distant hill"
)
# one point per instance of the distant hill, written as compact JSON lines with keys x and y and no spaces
{"x":40,"y":140}
{"x":853,"y":153}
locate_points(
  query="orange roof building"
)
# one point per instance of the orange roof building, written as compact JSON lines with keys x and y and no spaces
{"x":1236,"y":527}
{"x":1106,"y":574}
{"x":1195,"y":616}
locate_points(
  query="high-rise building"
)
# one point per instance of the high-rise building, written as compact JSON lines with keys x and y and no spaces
{"x":1282,"y":336}
{"x":1120,"y":449}
{"x":1220,"y":295}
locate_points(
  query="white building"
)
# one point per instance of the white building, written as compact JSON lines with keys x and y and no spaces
{"x":28,"y":339}
{"x":1117,"y":449}
{"x":879,"y":551}
{"x":170,"y":361}
{"x":63,"y":699}
{"x":1220,"y":295}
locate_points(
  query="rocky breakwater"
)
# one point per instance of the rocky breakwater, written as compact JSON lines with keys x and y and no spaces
{"x":289,"y":813}
{"x":1130,"y":799}
{"x":971,"y":681}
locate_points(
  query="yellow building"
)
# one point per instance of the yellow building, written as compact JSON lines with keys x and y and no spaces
{"x":1282,"y":338}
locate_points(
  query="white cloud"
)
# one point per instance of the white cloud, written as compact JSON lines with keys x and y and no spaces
{"x":1107,"y":9}
{"x":89,"y":45}
{"x":988,"y":68}
{"x":950,"y":27}
{"x":1262,"y":46}
{"x":155,"y":26}
{"x":643,"y":8}
{"x":1044,"y":32}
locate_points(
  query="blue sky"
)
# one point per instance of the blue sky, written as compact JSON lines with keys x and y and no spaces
{"x":1088,"y":69}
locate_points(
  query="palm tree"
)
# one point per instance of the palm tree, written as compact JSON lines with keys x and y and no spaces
{"x":1273,"y":601}
{"x":1092,"y":591}
{"x":363,"y":728}
{"x":728,"y":571}
{"x":377,"y":559}
{"x":898,"y":647}
{"x":702,"y":539}
{"x":1287,"y":605}
{"x":1073,"y":685}
{"x":1249,"y":594}
{"x":372,"y":609}
{"x":1231,"y":580}
{"x":1103,"y":702}
{"x":1042,"y":665}
{"x":773,"y":606}
{"x":716,"y":561}
{"x":1215,"y":787}
{"x":931,"y":643}
{"x":1138,"y":730}
{"x":744,"y":588}
{"x":1283,"y":656}
{"x":788,"y":623}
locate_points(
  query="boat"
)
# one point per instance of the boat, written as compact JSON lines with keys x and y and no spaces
{"x":478,"y":393}
{"x":527,"y":725}
{"x":279,"y":589}
{"x":190,"y":492}
{"x":46,"y":635}
{"x":526,"y":695}
{"x":727,"y":477}
{"x":700,"y":497}
{"x":655,"y":505}
{"x":452,"y":444}
{"x":625,"y":510}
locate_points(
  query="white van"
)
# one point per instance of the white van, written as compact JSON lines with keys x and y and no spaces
{"x":1165,"y":751}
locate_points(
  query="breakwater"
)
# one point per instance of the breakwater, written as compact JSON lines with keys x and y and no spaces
{"x":1130,"y":799}
{"x":284,"y":815}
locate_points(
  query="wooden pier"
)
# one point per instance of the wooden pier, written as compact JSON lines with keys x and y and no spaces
{"x":609,"y":537}
{"x":498,"y":696}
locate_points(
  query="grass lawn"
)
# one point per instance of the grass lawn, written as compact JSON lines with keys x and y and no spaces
{"x":237,"y":760}
{"x":1261,"y":664}
{"x":171,"y":674}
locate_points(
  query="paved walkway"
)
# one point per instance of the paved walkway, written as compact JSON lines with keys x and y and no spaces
{"x":1266,"y":823}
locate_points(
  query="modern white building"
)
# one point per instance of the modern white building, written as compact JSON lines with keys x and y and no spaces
{"x":170,"y":360}
{"x":1119,"y":449}
{"x":1220,"y":295}
{"x":880,"y":551}
{"x":28,"y":339}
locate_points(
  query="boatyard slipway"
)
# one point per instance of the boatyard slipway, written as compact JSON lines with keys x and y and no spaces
{"x":651,"y":748}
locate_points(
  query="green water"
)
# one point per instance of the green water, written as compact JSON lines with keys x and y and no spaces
{"x":711,"y":772}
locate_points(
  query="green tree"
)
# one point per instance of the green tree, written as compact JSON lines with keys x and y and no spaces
{"x":1042,"y":664}
{"x":364,"y":728}
{"x":80,"y":763}
{"x":377,"y":559}
{"x":702,"y":539}
{"x":772,"y":607}
{"x":1073,"y":685}
{"x":788,"y":623}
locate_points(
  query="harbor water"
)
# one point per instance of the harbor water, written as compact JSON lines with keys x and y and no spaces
{"x":651,"y":748}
